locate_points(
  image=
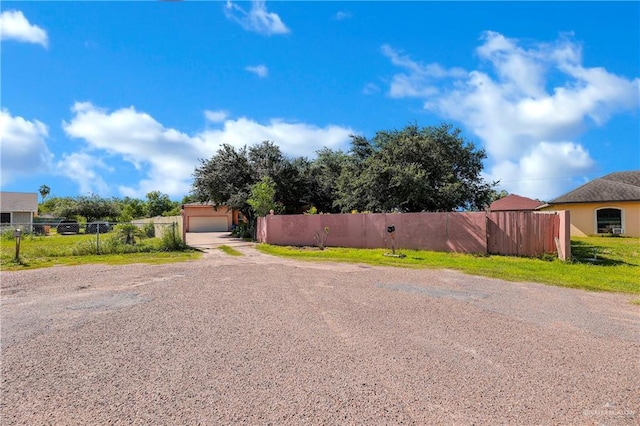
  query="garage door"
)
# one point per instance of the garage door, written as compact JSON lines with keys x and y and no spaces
{"x":208,"y":224}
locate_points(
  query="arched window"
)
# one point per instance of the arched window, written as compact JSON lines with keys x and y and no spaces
{"x":608,"y":219}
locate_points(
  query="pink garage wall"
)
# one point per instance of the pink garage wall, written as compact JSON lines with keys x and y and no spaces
{"x":206,"y":210}
{"x":458,"y":232}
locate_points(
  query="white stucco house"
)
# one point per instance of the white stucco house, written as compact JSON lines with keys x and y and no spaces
{"x":17,"y":209}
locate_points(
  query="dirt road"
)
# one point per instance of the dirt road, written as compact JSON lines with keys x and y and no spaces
{"x":261,"y":340}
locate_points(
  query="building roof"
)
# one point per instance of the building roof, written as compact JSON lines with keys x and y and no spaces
{"x":513,"y":202}
{"x":208,"y":204}
{"x":619,"y":186}
{"x":19,"y":201}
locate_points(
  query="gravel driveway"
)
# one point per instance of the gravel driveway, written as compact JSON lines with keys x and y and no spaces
{"x":262,"y":340}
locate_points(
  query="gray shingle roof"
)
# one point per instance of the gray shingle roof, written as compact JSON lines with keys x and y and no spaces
{"x":619,"y":186}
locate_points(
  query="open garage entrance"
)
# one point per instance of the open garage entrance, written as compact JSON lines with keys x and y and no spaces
{"x":203,"y":217}
{"x":208,"y":224}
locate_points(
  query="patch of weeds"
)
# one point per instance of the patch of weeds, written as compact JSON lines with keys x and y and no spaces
{"x":549,"y":257}
{"x":320,"y":237}
{"x":19,"y":262}
{"x":7,"y":234}
{"x":112,"y":245}
{"x":230,"y":251}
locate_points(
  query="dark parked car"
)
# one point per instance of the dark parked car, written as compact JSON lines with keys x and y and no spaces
{"x":68,"y":226}
{"x":97,"y":227}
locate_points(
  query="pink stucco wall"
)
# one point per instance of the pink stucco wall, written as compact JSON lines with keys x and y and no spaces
{"x":509,"y":233}
{"x":457,"y":232}
{"x":564,"y":237}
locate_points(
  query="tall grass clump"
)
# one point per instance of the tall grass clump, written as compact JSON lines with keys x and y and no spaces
{"x":113,"y":244}
{"x":7,"y":234}
{"x":171,"y":240}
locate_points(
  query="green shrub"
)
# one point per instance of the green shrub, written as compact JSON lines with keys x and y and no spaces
{"x":312,"y":210}
{"x":242,"y":230}
{"x":171,"y":239}
{"x":149,"y":229}
{"x":128,"y":233}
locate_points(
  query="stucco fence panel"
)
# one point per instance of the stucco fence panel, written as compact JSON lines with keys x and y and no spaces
{"x":458,"y":232}
{"x":162,"y":224}
{"x":508,"y":233}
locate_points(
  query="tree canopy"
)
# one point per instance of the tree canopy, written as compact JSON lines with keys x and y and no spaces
{"x":91,"y":207}
{"x":227,"y":178}
{"x":412,"y":170}
{"x":409,"y":170}
{"x":262,"y":198}
{"x":158,"y":204}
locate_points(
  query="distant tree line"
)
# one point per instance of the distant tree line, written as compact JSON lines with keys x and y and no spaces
{"x":410,"y":170}
{"x":93,"y":207}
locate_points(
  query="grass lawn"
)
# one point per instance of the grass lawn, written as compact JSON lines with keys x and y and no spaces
{"x":600,"y":263}
{"x":54,"y":250}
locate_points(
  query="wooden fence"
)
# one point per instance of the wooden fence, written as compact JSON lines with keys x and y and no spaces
{"x":522,"y":233}
{"x":507,"y":233}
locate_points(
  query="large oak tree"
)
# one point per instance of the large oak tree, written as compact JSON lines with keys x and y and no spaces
{"x":227,"y":178}
{"x":412,"y":170}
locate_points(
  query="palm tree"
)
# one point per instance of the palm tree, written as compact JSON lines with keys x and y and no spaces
{"x":44,"y":191}
{"x":128,"y":233}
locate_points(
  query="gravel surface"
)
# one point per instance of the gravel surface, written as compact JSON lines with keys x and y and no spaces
{"x":262,"y":340}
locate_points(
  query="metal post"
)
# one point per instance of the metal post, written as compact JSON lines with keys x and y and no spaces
{"x":391,"y":229}
{"x":97,"y":238}
{"x":17,"y":233}
{"x":393,"y":242}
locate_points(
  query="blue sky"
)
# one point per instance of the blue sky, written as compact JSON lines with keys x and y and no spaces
{"x":123,"y":98}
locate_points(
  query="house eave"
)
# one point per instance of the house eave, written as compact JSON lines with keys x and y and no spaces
{"x":551,"y":203}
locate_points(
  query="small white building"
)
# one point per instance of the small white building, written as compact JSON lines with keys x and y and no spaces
{"x":17,"y":209}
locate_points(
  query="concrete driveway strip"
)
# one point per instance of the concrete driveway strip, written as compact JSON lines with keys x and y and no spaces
{"x":261,"y":340}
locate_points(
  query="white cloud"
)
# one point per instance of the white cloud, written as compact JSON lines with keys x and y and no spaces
{"x":370,"y":89}
{"x":23,"y":147}
{"x":295,"y":139}
{"x":342,"y":15}
{"x":14,"y":26}
{"x":258,"y":19}
{"x":260,"y":70}
{"x":81,"y":168}
{"x":216,"y":116}
{"x":528,"y":128}
{"x":539,"y":172}
{"x":167,"y":157}
{"x":418,"y":80}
